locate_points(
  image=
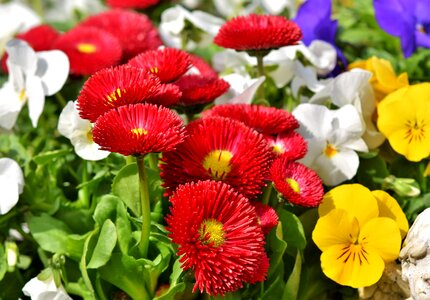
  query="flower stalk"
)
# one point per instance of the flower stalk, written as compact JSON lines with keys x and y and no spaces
{"x":145,"y":206}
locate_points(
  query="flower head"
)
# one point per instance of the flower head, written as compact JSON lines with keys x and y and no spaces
{"x":289,"y":144}
{"x":218,"y":235}
{"x":267,"y":217}
{"x":258,"y":32}
{"x":232,"y":152}
{"x":358,"y":232}
{"x":404,"y":119}
{"x":267,"y":120}
{"x":167,"y":63}
{"x":140,"y":4}
{"x":383,"y":80}
{"x":80,"y":133}
{"x":201,"y":67}
{"x":197,"y":89}
{"x":114,"y":87}
{"x":135,"y":31}
{"x":297,"y":183}
{"x":45,"y":289}
{"x":138,"y":129}
{"x":89,"y":49}
{"x":11,"y":184}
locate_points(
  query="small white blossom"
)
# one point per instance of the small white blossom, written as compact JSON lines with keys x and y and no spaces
{"x":11,"y":184}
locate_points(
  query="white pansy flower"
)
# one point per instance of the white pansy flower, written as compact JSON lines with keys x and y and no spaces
{"x":174,"y":21}
{"x":11,"y":184}
{"x":231,"y":8}
{"x":56,"y":11}
{"x":333,"y":136}
{"x":242,"y":89}
{"x":32,"y":76}
{"x":353,"y":88}
{"x":15,"y":18}
{"x":46,"y":289}
{"x":79,"y":132}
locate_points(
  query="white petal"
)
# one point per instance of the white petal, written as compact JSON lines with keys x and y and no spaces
{"x":232,"y":60}
{"x":309,"y":77}
{"x":340,"y":167}
{"x":53,"y":69}
{"x":227,"y":8}
{"x":11,"y":169}
{"x":242,"y":89}
{"x":57,"y":295}
{"x":86,"y":149}
{"x":274,"y":7}
{"x":349,"y":120}
{"x":10,"y":194}
{"x":36,"y":98}
{"x":324,"y":56}
{"x":36,"y":287}
{"x":172,"y":24}
{"x":16,"y":17}
{"x":10,"y":106}
{"x":348,"y":85}
{"x":283,"y":73}
{"x":68,"y":120}
{"x":206,"y":22}
{"x":315,"y":120}
{"x":22,"y":55}
{"x":315,"y":148}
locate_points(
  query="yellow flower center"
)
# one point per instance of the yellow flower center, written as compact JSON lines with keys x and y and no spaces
{"x":415,"y":130}
{"x":154,"y":70}
{"x":217,"y":163}
{"x":138,"y":132}
{"x":278,"y":149}
{"x":212,"y":232}
{"x":22,"y":95}
{"x":330,"y":150}
{"x":86,"y":48}
{"x":115,"y":95}
{"x":89,"y":134}
{"x":293,"y":184}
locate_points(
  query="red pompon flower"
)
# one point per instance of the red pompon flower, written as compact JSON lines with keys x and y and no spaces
{"x":167,"y":95}
{"x":140,"y":4}
{"x":267,"y":217}
{"x":219,"y":149}
{"x":218,"y":235}
{"x":261,"y":273}
{"x":40,"y":38}
{"x":290,"y":144}
{"x":114,"y":87}
{"x":202,"y":68}
{"x":135,"y":31}
{"x":258,"y":32}
{"x":297,"y":183}
{"x":138,"y":129}
{"x":89,"y":49}
{"x":197,"y":89}
{"x":267,"y":120}
{"x":168,"y":63}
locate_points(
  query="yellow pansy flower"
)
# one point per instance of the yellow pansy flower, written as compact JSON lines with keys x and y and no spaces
{"x":358,"y":232}
{"x":404,"y":118}
{"x":384,"y":80}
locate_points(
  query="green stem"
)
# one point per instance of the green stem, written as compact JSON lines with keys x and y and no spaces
{"x":61,"y":99}
{"x":260,"y":71}
{"x":74,"y":289}
{"x":267,"y":193}
{"x":145,"y":206}
{"x":38,"y":8}
{"x":84,"y":193}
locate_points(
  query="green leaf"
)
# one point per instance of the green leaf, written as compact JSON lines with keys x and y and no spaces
{"x":106,"y":209}
{"x":175,"y":286}
{"x":49,"y":156}
{"x":292,"y":229}
{"x":277,"y":247}
{"x":372,"y":168}
{"x":104,"y":247}
{"x":54,"y":236}
{"x":126,"y":186}
{"x":291,"y":289}
{"x":3,"y":262}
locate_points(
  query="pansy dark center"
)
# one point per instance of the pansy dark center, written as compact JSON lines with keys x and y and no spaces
{"x":415,"y":131}
{"x":86,"y":48}
{"x":217,"y":163}
{"x":212,"y":232}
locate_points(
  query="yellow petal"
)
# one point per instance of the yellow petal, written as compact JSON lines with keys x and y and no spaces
{"x":412,"y":149}
{"x":353,"y":198}
{"x":360,"y":64}
{"x":336,"y":228}
{"x":390,"y":208}
{"x":386,"y":79}
{"x":381,"y":235}
{"x":354,"y":268}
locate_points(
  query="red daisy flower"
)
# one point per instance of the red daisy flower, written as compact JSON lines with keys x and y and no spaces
{"x":114,"y":87}
{"x":290,"y":144}
{"x":218,"y":236}
{"x":261,"y":273}
{"x":141,"y":4}
{"x":89,"y":49}
{"x":167,"y":95}
{"x":267,"y":120}
{"x":258,"y":32}
{"x":220,"y":149}
{"x":202,"y":67}
{"x":40,"y":38}
{"x":297,"y":183}
{"x":138,"y":129}
{"x":168,"y":63}
{"x":197,"y":89}
{"x":267,"y":217}
{"x":135,"y":31}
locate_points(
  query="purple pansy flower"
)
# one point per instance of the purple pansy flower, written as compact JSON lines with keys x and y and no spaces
{"x":314,"y":18}
{"x":407,"y":19}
